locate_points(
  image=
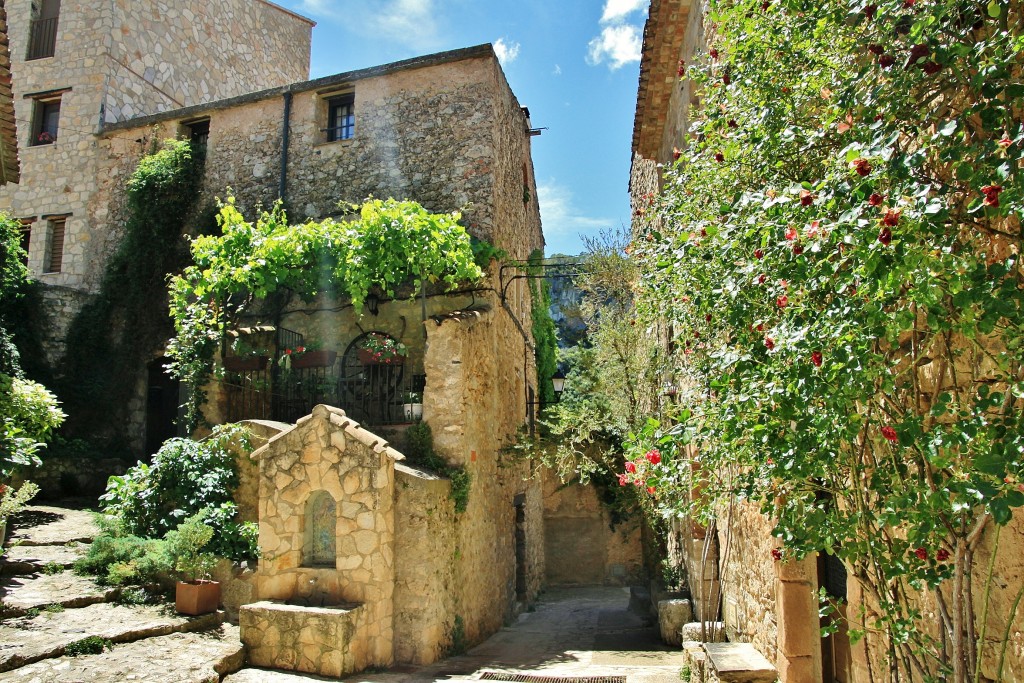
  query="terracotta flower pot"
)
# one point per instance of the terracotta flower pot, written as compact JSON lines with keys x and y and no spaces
{"x":197,"y":597}
{"x":245,"y":363}
{"x":314,"y":359}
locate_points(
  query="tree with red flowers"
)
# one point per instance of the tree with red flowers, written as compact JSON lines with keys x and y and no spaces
{"x":869,"y":156}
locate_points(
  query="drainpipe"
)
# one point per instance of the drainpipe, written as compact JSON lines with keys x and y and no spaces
{"x":282,"y":186}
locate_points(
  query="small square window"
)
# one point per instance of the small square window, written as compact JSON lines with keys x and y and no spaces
{"x":55,"y":255}
{"x":45,"y":117}
{"x":198,"y":133}
{"x":26,"y":238}
{"x":341,"y":118}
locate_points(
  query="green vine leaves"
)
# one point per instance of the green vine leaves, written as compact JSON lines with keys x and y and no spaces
{"x":391,"y":243}
{"x":837,"y":252}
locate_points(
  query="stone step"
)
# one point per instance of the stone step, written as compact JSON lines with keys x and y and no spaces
{"x":202,"y":657}
{"x":19,"y":594}
{"x":30,"y":559}
{"x":738,"y":663}
{"x":45,"y":525}
{"x":27,"y":640}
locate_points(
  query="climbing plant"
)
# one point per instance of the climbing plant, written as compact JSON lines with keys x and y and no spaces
{"x":110,"y":340}
{"x":392,"y":243}
{"x":837,"y":252}
{"x":545,"y":338}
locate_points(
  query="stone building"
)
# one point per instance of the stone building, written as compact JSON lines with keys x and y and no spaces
{"x":731,"y":574}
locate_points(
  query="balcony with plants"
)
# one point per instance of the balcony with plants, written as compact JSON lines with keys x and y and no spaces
{"x":272,"y":318}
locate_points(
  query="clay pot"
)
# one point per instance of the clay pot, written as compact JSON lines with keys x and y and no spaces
{"x":314,"y":359}
{"x":197,"y":597}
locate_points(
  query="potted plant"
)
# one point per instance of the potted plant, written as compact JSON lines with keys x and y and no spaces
{"x":194,"y":593}
{"x":246,"y":357}
{"x":377,"y":348}
{"x":311,"y":355}
{"x":412,"y":407}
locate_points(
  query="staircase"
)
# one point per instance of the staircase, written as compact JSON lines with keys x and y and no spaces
{"x":47,"y":611}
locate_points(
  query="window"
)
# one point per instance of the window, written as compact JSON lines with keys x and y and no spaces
{"x":45,"y":118}
{"x":42,"y":40}
{"x":341,"y":118}
{"x":55,"y":252}
{"x":198,"y":133}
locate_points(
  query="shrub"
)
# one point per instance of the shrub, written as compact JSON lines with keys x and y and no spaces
{"x":120,"y":558}
{"x":186,"y":477}
{"x":93,"y":645}
{"x":185,"y":548}
{"x":419,"y":449}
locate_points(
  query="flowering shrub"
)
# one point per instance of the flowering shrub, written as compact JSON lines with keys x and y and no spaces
{"x":382,"y":348}
{"x":843,"y":235}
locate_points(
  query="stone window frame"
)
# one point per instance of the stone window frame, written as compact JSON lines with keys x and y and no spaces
{"x":45,"y":104}
{"x":329,"y":103}
{"x":196,"y":131}
{"x":56,"y":238}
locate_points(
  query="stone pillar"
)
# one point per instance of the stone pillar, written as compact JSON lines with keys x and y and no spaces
{"x":799,"y":635}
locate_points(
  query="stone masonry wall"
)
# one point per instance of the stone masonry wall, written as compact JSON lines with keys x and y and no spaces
{"x":167,"y":54}
{"x":581,"y":546}
{"x":425,"y":544}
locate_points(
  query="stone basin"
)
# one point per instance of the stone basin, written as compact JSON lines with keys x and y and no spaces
{"x":322,"y":640}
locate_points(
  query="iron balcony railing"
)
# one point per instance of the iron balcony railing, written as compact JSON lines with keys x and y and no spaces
{"x":43,"y":38}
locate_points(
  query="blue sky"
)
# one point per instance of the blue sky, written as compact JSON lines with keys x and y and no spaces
{"x":574,"y":63}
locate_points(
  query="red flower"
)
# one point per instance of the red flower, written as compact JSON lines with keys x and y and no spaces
{"x":301,"y":349}
{"x":726,"y":78}
{"x":875,"y":199}
{"x":876,"y":49}
{"x":707,"y":317}
{"x":681,"y":70}
{"x":782,"y":301}
{"x":885,"y":61}
{"x":889,"y":433}
{"x":761,"y":278}
{"x":991,"y":193}
{"x":676,"y":153}
{"x":651,"y":490}
{"x":732,"y":123}
{"x":816,"y":358}
{"x":758,"y":254}
{"x":885,"y":236}
{"x":891,"y":218}
{"x":623,"y":480}
{"x":798,"y":249}
{"x":909,"y":3}
{"x":769,"y":342}
{"x":776,"y":554}
{"x":807,"y":197}
{"x":760,"y":327}
{"x":869,"y":11}
{"x":931,"y":68}
{"x":862,"y":166}
{"x":942,"y":555}
{"x":653,"y":456}
{"x":1005,"y":142}
{"x":287,"y":352}
{"x":918,"y":52}
{"x":791,"y":233}
{"x":784,"y":284}
{"x":719,"y":157}
{"x":922,"y":553}
{"x":713,"y":53}
{"x":631,"y":467}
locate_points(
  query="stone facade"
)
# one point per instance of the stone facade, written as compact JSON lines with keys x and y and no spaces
{"x":769,"y":604}
{"x":582,"y":546}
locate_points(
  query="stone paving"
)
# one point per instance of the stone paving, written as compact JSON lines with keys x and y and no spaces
{"x":574,"y":632}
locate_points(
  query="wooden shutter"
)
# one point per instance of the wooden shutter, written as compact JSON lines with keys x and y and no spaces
{"x":56,"y":245}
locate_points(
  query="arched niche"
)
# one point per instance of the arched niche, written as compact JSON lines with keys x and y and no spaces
{"x":319,"y":548}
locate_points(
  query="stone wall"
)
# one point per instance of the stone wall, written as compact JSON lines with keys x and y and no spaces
{"x":116,"y":60}
{"x":425,"y":554}
{"x":581,"y":544}
{"x":166,"y":55}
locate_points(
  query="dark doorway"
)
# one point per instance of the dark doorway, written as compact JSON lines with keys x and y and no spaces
{"x":161,"y":406}
{"x":521,"y":583}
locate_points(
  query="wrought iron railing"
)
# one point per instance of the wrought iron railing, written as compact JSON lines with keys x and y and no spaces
{"x":43,"y":38}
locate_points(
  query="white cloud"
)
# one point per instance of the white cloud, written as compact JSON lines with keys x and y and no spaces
{"x":506,"y":52}
{"x":557,"y":71}
{"x":618,"y":45}
{"x":410,"y":22}
{"x":559,"y":214}
{"x":616,"y":10}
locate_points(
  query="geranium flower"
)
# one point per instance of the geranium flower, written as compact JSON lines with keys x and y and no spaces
{"x":653,"y":456}
{"x":791,"y":233}
{"x":875,"y":199}
{"x":862,"y":166}
{"x":889,"y":433}
{"x":991,"y":193}
{"x":816,"y":358}
{"x":885,"y":236}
